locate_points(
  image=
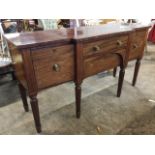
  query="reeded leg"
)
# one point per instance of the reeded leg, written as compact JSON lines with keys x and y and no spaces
{"x":78,"y":99}
{"x":35,"y":110}
{"x":114,"y":72}
{"x":137,"y":66}
{"x":120,"y":81}
{"x":23,"y":96}
{"x":13,"y":76}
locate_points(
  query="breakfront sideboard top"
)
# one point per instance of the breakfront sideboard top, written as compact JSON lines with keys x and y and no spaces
{"x":68,"y":35}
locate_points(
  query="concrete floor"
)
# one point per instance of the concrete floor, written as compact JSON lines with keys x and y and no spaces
{"x":102,"y":112}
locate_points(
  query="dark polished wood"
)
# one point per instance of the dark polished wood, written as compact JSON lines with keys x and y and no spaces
{"x":32,"y":86}
{"x":114,"y":72}
{"x":23,"y":96}
{"x":47,"y":58}
{"x":79,"y":71}
{"x":65,"y":36}
{"x":53,"y":66}
{"x":35,"y":110}
{"x":137,"y":66}
{"x":120,"y":81}
{"x":78,"y":99}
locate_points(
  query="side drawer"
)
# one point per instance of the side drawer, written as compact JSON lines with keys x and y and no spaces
{"x":53,"y":65}
{"x":106,"y":45}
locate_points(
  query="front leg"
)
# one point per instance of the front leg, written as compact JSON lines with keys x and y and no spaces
{"x":114,"y":72}
{"x":35,"y":110}
{"x":136,"y":71}
{"x":22,"y":91}
{"x":120,"y":81}
{"x":13,"y":75}
{"x":78,"y":99}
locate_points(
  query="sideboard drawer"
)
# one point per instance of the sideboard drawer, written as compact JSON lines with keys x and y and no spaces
{"x":137,"y":44}
{"x":53,"y":65}
{"x":140,"y":34}
{"x":106,"y":45}
{"x":100,"y":63}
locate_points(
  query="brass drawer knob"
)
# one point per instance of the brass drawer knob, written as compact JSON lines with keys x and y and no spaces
{"x":135,"y":46}
{"x":119,"y":43}
{"x":96,"y":48}
{"x":56,"y":67}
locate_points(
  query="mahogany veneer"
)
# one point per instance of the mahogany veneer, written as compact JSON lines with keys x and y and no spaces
{"x":48,"y":58}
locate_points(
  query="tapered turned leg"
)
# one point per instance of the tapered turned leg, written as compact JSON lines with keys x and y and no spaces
{"x":13,"y":75}
{"x":137,"y":66}
{"x":23,"y":96}
{"x":114,"y":72}
{"x":120,"y":81}
{"x":78,"y":99}
{"x":35,"y":110}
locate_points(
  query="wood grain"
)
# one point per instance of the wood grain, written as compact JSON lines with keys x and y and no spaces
{"x":44,"y":61}
{"x":48,"y":58}
{"x":105,"y":45}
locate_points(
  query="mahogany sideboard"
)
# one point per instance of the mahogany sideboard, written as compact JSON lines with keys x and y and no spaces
{"x":48,"y":58}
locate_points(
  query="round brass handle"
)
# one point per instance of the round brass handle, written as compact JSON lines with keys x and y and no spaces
{"x":135,"y":45}
{"x":56,"y":67}
{"x":119,"y":43}
{"x":96,"y":48}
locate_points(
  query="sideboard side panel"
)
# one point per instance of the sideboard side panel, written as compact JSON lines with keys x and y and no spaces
{"x":18,"y":65}
{"x":29,"y":72}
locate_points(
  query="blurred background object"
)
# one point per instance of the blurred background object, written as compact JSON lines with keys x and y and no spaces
{"x":151,"y":35}
{"x":48,"y":24}
{"x":5,"y":59}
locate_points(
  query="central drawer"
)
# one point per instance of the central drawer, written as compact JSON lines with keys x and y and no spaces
{"x":100,"y":63}
{"x":53,"y":65}
{"x":105,"y":45}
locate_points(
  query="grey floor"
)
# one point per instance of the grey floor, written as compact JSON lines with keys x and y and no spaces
{"x":102,"y":112}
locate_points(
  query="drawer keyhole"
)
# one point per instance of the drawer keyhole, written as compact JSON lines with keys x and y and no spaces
{"x":56,"y":67}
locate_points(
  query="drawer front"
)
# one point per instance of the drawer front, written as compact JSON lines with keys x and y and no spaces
{"x":140,"y":35}
{"x":53,"y":65}
{"x":100,"y":63}
{"x":106,"y":45}
{"x":137,"y":44}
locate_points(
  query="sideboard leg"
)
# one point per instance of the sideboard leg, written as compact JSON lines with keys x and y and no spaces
{"x":136,"y":71}
{"x":35,"y":110}
{"x":120,"y":81}
{"x":23,"y":96}
{"x":13,"y":76}
{"x":114,"y":72}
{"x":78,"y":99}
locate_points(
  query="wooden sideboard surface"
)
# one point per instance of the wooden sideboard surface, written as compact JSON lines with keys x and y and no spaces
{"x":48,"y":58}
